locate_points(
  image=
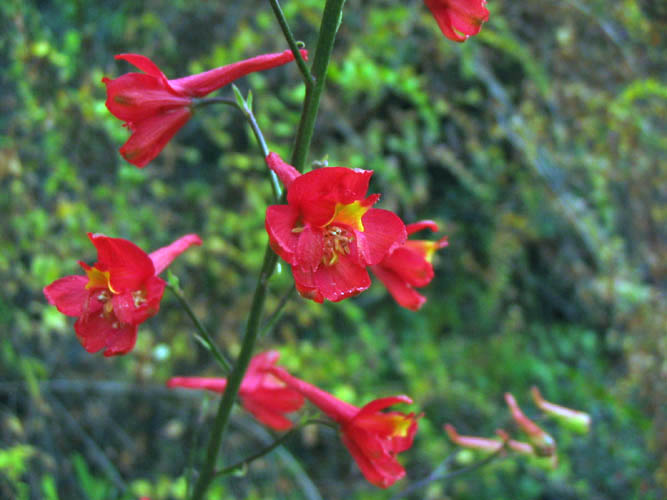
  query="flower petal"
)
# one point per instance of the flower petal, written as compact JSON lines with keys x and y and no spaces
{"x":151,"y":135}
{"x":128,"y":265}
{"x":344,"y":279}
{"x":409,"y":265}
{"x":97,"y":331}
{"x":134,"y":97}
{"x":383,"y":231}
{"x":382,"y":470}
{"x":268,"y":417}
{"x":144,"y":64}
{"x":316,"y":193}
{"x":403,"y":293}
{"x":137,"y":306}
{"x":163,"y":257}
{"x":280,"y":221}
{"x":309,"y":249}
{"x":423,"y":224}
{"x":68,"y":294}
{"x":382,"y":403}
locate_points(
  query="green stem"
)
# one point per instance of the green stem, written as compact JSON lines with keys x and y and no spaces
{"x":203,"y":333}
{"x":328,"y":29}
{"x":293,"y":44}
{"x":235,"y":378}
{"x":278,"y":312}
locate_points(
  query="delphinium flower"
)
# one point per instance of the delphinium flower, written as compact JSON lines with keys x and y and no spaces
{"x":410,"y":266}
{"x":328,"y":231}
{"x":373,"y":438}
{"x":120,"y":291}
{"x":544,"y":444}
{"x":155,"y":108}
{"x":459,"y":19}
{"x":265,"y":396}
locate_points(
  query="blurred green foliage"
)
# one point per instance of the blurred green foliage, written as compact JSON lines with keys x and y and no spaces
{"x":537,"y":146}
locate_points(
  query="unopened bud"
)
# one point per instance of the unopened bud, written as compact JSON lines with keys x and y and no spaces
{"x":474,"y":442}
{"x":516,"y":446}
{"x":544,"y":444}
{"x":577,"y":421}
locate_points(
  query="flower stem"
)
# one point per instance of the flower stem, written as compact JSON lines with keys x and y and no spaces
{"x":247,"y":461}
{"x":203,"y":333}
{"x":328,"y":29}
{"x":293,"y":44}
{"x":278,"y":312}
{"x":236,"y":376}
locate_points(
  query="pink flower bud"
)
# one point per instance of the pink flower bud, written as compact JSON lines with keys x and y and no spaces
{"x":578,"y":421}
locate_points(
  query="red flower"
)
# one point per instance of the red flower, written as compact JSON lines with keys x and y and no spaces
{"x":409,"y":267}
{"x":373,"y":438}
{"x":328,"y":231}
{"x":261,"y":393}
{"x":155,"y":108}
{"x":118,"y":292}
{"x":459,"y":19}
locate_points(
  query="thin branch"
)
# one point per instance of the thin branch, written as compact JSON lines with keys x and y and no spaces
{"x":203,"y":333}
{"x":293,"y":44}
{"x":278,"y":312}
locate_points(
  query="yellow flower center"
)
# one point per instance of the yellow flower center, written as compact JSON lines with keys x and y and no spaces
{"x":336,"y":242}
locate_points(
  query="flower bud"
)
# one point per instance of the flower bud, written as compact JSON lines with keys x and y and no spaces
{"x":544,"y":444}
{"x":577,"y":421}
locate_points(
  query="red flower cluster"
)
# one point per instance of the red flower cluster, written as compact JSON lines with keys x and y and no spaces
{"x":410,"y":266}
{"x":373,"y":438}
{"x":266,"y":397}
{"x":459,"y":19}
{"x":155,"y":108}
{"x":120,"y":291}
{"x":328,"y":231}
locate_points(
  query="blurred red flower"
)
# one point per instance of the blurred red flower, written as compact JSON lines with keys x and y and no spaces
{"x":120,"y":291}
{"x":459,"y":19}
{"x":328,"y":231}
{"x":410,"y":266}
{"x":373,"y":438}
{"x":155,"y":108}
{"x":266,"y":397}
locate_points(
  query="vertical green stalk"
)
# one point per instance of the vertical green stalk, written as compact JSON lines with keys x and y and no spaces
{"x":328,"y":29}
{"x":327,"y":36}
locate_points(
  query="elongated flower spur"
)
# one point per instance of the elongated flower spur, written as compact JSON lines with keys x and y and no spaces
{"x":266,"y":397}
{"x":410,"y":266}
{"x":573,"y":419}
{"x":120,"y":291}
{"x":459,"y":19}
{"x":328,"y":231}
{"x":372,"y":437}
{"x":155,"y":108}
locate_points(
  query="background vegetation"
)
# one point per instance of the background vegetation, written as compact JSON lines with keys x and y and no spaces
{"x":536,"y":145}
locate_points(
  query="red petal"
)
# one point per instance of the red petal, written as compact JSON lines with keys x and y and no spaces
{"x":163,"y":257}
{"x":266,"y":416}
{"x":458,"y":19}
{"x":334,"y":408}
{"x":303,"y":281}
{"x":382,"y":403}
{"x":68,"y":294}
{"x":418,"y":226}
{"x":128,"y":265}
{"x":382,"y":470}
{"x":144,"y":64}
{"x":137,"y":306}
{"x":134,"y":97}
{"x":403,"y":293}
{"x":410,"y":266}
{"x":316,"y":193}
{"x":309,"y":249}
{"x":204,"y":83}
{"x":383,"y":231}
{"x":342,"y":280}
{"x":280,"y":220}
{"x":96,"y":332}
{"x":151,"y":135}
{"x":211,"y":384}
{"x":285,"y":172}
